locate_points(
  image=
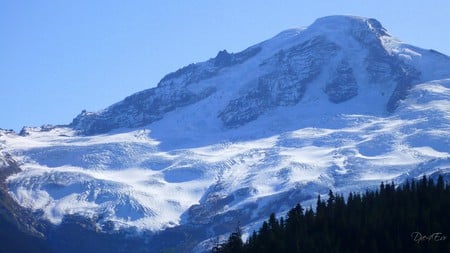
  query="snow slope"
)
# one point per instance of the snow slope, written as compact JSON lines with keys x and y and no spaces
{"x":339,"y":105}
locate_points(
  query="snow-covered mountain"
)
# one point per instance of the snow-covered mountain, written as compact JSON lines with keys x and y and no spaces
{"x":338,"y":105}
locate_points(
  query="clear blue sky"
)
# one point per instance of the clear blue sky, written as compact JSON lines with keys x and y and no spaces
{"x":60,"y":57}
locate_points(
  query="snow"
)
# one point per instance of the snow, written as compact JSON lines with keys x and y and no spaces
{"x":160,"y":185}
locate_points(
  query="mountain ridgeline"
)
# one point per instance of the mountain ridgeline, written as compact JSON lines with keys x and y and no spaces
{"x":340,"y":56}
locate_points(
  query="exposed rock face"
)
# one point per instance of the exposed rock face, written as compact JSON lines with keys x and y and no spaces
{"x":382,"y":66}
{"x":406,"y":76}
{"x":139,"y":109}
{"x":285,"y":84}
{"x":194,"y":73}
{"x":343,"y":86}
{"x":20,"y":231}
{"x":151,"y":105}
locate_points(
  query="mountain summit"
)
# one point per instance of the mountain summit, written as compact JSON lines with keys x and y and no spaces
{"x":338,"y":105}
{"x":340,"y":59}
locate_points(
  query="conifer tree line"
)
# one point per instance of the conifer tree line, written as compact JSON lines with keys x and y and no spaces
{"x":412,"y":217}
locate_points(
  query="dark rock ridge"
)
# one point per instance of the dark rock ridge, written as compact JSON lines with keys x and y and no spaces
{"x":285,"y":84}
{"x":384,"y":67}
{"x":343,"y":86}
{"x":20,"y":230}
{"x":139,"y":109}
{"x":150,"y":105}
{"x":197,"y":72}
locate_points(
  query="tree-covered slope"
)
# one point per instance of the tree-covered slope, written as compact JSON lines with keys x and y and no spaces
{"x":412,"y":217}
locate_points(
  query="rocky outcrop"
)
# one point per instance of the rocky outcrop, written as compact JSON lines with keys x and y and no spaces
{"x":151,"y":105}
{"x":343,"y":86}
{"x":197,"y":72}
{"x":138,"y":110}
{"x":284,"y":85}
{"x":406,"y":77}
{"x":382,"y":66}
{"x":20,"y":231}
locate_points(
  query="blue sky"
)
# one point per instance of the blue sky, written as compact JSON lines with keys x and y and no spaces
{"x":60,"y":57}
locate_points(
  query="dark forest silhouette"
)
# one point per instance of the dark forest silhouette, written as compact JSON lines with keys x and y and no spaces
{"x":413,"y":217}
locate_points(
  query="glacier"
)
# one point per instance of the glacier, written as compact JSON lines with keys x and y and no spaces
{"x":339,"y":105}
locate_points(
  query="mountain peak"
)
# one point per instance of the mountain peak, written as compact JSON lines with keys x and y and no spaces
{"x":337,"y":59}
{"x":339,"y":23}
{"x":340,"y":19}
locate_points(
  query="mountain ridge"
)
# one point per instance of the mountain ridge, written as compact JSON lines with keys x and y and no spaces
{"x":308,"y":47}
